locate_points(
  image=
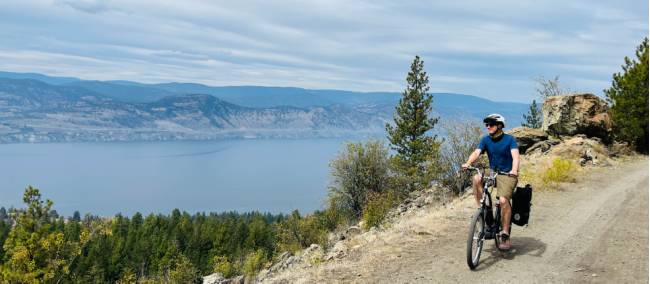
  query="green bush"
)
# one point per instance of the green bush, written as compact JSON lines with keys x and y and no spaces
{"x":377,"y":207}
{"x":359,"y":170}
{"x":184,"y":271}
{"x":224,"y":266}
{"x":254,"y":262}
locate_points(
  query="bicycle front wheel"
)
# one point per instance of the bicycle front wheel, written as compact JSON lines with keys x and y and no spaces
{"x":475,"y":240}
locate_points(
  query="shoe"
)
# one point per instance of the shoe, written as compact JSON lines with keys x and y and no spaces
{"x":505,"y":241}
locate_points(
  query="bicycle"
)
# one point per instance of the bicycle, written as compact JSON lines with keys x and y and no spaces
{"x":484,"y":225}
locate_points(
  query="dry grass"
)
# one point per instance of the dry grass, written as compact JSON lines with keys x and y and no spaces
{"x":560,"y":170}
{"x":549,"y":172}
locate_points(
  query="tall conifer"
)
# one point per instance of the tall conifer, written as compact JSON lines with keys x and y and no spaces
{"x":408,"y":137}
{"x":533,"y":118}
{"x":629,"y":98}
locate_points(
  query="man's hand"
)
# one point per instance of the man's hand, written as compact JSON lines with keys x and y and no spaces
{"x":465,"y":166}
{"x":513,"y":173}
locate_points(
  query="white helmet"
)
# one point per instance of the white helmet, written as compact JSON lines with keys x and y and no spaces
{"x":496,"y":119}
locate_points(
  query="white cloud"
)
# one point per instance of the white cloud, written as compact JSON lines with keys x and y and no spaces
{"x":484,"y":48}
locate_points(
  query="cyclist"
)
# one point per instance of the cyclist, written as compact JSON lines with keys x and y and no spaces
{"x":503,"y":154}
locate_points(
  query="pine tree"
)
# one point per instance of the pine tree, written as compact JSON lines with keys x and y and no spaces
{"x":534,"y":117}
{"x":34,"y":252}
{"x":629,"y":99}
{"x":415,"y":149}
{"x":76,"y":216}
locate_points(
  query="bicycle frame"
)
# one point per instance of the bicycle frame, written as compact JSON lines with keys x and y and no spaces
{"x":488,"y":220}
{"x":493,"y":222}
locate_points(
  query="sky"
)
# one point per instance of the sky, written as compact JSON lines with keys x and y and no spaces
{"x":491,"y":49}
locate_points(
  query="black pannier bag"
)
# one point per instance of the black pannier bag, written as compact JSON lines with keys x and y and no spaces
{"x":521,"y":205}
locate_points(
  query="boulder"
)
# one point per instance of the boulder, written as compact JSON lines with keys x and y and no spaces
{"x":217,"y":278}
{"x":352,"y":231}
{"x":237,"y":280}
{"x":577,"y":114}
{"x":339,"y":250}
{"x":214,"y":278}
{"x":543,"y":146}
{"x":527,"y":137}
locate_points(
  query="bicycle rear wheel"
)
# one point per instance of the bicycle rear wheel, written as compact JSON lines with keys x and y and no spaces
{"x":475,"y":240}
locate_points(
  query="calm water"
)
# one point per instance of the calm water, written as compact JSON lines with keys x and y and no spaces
{"x":107,"y":178}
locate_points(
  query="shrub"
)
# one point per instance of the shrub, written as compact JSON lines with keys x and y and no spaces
{"x":561,"y":170}
{"x":359,"y":170}
{"x":224,"y":266}
{"x":254,"y":262}
{"x":296,"y":232}
{"x":462,"y":138}
{"x":184,"y":271}
{"x":377,"y":207}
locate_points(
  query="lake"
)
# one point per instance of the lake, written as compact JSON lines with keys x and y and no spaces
{"x":156,"y":177}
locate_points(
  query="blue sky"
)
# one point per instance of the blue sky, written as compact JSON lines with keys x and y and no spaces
{"x":491,"y":49}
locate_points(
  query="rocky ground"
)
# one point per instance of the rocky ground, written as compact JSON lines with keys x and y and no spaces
{"x":594,"y":230}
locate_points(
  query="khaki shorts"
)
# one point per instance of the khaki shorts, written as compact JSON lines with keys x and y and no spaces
{"x":506,"y":185}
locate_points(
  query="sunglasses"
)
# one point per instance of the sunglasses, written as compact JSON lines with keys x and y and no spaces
{"x":489,"y":124}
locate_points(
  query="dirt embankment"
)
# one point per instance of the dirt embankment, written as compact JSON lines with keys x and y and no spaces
{"x":595,"y":230}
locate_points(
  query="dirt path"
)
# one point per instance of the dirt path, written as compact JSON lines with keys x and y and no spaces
{"x":593,"y":231}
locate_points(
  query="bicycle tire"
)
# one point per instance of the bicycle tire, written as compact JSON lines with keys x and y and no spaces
{"x":475,"y":240}
{"x":497,"y":234}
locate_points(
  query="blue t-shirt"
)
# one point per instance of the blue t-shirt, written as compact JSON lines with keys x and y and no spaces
{"x":499,"y":151}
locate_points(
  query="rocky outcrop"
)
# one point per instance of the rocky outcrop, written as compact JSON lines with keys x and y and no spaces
{"x":577,"y":114}
{"x":214,"y":278}
{"x":306,"y":258}
{"x":217,"y":278}
{"x":527,"y":137}
{"x":542,"y":146}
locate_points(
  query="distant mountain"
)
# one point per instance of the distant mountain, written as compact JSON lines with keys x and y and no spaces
{"x":32,"y":111}
{"x":39,"y":77}
{"x":124,"y":91}
{"x":130,"y":107}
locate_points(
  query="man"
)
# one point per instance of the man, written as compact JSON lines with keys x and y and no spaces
{"x":503,"y":154}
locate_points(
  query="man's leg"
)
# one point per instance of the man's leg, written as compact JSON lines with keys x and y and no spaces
{"x":505,"y":213}
{"x":478,"y":190}
{"x":505,"y":221}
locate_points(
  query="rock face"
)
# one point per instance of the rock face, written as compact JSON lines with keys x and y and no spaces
{"x":217,"y":278}
{"x":214,"y":278}
{"x":527,"y":137}
{"x":577,"y":114}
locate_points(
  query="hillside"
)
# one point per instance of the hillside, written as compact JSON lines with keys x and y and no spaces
{"x":593,"y":230}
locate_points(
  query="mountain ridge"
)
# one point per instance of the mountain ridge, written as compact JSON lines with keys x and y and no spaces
{"x":82,"y":110}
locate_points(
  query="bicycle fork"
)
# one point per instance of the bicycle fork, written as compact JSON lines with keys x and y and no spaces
{"x":491,"y":223}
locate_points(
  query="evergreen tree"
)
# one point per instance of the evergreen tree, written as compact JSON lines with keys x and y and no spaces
{"x":76,"y":216}
{"x":533,"y":118}
{"x":629,"y":99}
{"x":3,"y":214}
{"x":415,"y":149}
{"x":34,"y":252}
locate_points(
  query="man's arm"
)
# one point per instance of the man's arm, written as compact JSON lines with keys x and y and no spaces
{"x":472,"y":158}
{"x":515,"y":161}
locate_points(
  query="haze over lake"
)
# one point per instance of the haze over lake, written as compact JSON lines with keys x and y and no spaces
{"x":156,"y":177}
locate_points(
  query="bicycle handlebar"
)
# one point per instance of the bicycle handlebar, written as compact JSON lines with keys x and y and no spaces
{"x":478,"y":170}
